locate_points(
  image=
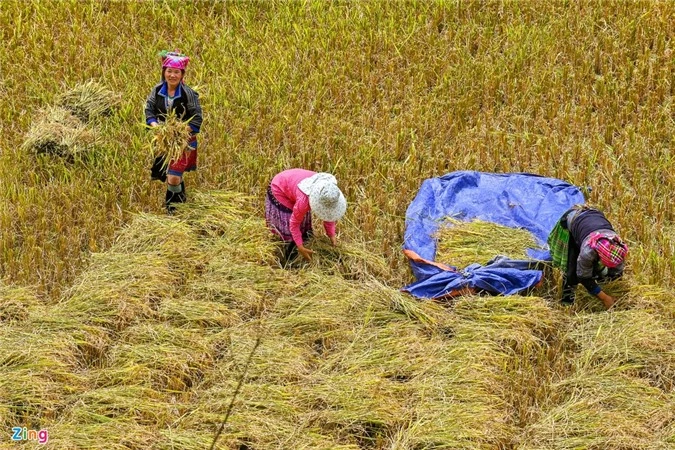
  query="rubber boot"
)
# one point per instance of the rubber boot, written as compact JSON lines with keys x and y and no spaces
{"x":174,"y":194}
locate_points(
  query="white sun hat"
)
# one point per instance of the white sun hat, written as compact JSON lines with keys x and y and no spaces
{"x":325,"y":198}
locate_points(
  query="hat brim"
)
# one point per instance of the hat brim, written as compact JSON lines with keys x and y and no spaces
{"x":328,"y":214}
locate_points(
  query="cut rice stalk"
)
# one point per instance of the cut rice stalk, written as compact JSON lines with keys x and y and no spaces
{"x":463,"y":243}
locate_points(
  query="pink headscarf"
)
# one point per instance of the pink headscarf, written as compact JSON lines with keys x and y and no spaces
{"x":174,"y":60}
{"x":611,"y":250}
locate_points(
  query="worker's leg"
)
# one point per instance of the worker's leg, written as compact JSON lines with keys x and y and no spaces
{"x":568,"y":291}
{"x":174,"y":192}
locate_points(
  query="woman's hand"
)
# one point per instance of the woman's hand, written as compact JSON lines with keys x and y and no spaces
{"x":333,"y":240}
{"x":607,"y":300}
{"x":305,"y":252}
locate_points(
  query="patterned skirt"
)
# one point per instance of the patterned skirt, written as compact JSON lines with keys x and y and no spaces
{"x":559,"y":239}
{"x":558,"y":244}
{"x":278,"y":218}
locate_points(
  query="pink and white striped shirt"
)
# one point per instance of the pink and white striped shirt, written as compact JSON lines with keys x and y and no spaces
{"x":285,"y":190}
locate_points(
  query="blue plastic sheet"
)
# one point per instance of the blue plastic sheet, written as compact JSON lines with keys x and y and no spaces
{"x":517,"y":200}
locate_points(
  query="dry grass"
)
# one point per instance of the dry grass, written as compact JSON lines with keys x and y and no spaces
{"x":89,"y":100}
{"x":56,"y":131}
{"x":462,"y":243}
{"x":135,"y":338}
{"x":170,"y":138}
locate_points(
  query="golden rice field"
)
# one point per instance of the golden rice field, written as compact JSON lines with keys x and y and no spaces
{"x":123,"y":328}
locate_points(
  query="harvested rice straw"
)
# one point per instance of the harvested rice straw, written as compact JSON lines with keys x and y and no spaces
{"x":506,"y":314}
{"x":18,"y":304}
{"x":188,"y":313}
{"x":119,"y":288}
{"x":432,"y":315}
{"x":170,"y":138}
{"x":458,"y":397}
{"x":265,"y":416}
{"x":95,"y":431}
{"x":38,"y":373}
{"x":160,"y":356}
{"x":639,"y":343}
{"x":237,"y":229}
{"x":351,"y":260}
{"x":603,"y":410}
{"x":88,"y":100}
{"x":154,"y":234}
{"x":657,"y":299}
{"x":462,"y":243}
{"x":126,"y":403}
{"x":58,"y":132}
{"x":279,"y":359}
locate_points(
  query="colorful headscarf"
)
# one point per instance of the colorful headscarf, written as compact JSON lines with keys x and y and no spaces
{"x":611,"y":249}
{"x":175,"y":60}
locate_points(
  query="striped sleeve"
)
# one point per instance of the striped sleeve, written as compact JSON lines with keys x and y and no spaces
{"x":194,"y":110}
{"x":150,"y":107}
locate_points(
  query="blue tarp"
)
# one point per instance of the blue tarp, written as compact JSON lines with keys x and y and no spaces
{"x":517,"y":200}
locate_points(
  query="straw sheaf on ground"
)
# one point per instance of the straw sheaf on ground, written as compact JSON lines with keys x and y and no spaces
{"x":383,"y":95}
{"x":56,"y":131}
{"x":62,"y":130}
{"x":145,"y":350}
{"x":89,"y":100}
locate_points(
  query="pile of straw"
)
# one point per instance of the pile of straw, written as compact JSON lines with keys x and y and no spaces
{"x":462,"y":243}
{"x":351,"y":260}
{"x":62,"y":130}
{"x":89,"y":100}
{"x":17,"y":304}
{"x":58,"y":132}
{"x":151,"y":340}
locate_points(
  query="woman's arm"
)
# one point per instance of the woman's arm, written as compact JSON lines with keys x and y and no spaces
{"x":585,"y":263}
{"x":330,"y":232}
{"x":150,"y":116}
{"x":194,"y":111}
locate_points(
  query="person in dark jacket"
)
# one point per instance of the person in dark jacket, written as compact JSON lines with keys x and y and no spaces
{"x":586,"y":248}
{"x":172,"y":94}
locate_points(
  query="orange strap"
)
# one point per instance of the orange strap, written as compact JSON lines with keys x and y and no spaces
{"x":418,"y":259}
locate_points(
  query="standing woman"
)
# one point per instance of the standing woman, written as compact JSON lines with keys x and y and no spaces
{"x":586,"y":248}
{"x":291,"y":196}
{"x":172,"y":94}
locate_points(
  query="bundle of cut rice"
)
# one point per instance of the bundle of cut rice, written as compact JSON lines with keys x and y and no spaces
{"x":58,"y":132}
{"x":463,"y":243}
{"x":170,"y":138}
{"x":89,"y":100}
